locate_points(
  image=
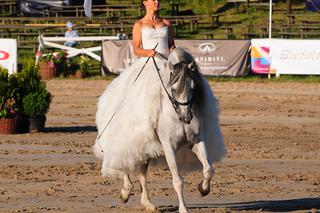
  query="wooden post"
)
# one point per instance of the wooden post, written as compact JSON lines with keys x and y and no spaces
{"x":289,"y":6}
{"x":212,"y":21}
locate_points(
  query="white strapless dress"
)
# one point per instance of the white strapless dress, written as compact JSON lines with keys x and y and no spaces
{"x":132,"y":106}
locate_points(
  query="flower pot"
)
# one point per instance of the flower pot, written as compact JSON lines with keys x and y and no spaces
{"x":8,"y":125}
{"x":22,"y":124}
{"x":37,"y":124}
{"x":79,"y":74}
{"x":60,"y":69}
{"x":47,"y":70}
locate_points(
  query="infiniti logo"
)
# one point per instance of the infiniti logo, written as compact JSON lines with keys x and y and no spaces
{"x":207,"y":47}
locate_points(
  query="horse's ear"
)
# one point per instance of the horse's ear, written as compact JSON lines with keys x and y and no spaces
{"x":192,"y":66}
{"x":169,"y":65}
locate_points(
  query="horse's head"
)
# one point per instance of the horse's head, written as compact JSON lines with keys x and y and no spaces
{"x":181,"y":83}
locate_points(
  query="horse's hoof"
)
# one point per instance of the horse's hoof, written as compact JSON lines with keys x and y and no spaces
{"x":125,"y":195}
{"x":151,"y":209}
{"x":148,"y":205}
{"x":202,"y":191}
{"x":124,"y":199}
{"x":183,"y":210}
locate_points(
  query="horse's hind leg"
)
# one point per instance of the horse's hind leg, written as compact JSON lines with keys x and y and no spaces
{"x":126,"y":189}
{"x":200,"y":150}
{"x":145,"y":200}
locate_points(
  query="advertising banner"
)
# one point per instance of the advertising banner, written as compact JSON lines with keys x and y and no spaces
{"x":285,"y":56}
{"x":297,"y":57}
{"x":260,"y":56}
{"x":219,"y":57}
{"x":8,"y":54}
{"x":214,"y":57}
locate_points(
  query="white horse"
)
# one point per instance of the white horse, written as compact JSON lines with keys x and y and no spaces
{"x":188,"y":116}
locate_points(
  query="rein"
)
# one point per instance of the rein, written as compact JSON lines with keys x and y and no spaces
{"x":146,"y":63}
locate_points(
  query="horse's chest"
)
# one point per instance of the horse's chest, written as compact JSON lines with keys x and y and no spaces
{"x":192,"y":134}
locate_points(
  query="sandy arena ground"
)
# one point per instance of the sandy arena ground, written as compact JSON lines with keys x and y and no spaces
{"x":272,"y":133}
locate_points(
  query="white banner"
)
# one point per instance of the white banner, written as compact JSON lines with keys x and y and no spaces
{"x":284,"y":56}
{"x":8,"y":54}
{"x":297,"y":57}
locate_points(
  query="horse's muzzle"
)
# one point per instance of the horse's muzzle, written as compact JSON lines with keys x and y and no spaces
{"x":186,"y":119}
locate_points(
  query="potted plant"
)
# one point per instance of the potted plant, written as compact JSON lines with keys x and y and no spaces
{"x":8,"y":115}
{"x":8,"y":105}
{"x":51,"y":63}
{"x":83,"y":70}
{"x":23,"y":83}
{"x":35,"y":106}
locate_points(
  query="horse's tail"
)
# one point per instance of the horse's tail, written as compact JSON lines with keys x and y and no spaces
{"x":215,"y":143}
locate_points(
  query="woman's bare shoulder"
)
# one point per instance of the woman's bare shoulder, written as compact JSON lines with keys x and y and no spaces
{"x":137,"y":24}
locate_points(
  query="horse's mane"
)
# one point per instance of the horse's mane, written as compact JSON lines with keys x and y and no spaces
{"x":199,"y":89}
{"x":180,"y":58}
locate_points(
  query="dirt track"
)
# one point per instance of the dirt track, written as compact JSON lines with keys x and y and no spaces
{"x":272,"y":132}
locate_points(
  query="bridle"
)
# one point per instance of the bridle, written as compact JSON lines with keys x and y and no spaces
{"x":175,"y":103}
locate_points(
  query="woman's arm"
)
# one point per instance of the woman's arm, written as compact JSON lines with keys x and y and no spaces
{"x":137,"y":42}
{"x":171,"y":43}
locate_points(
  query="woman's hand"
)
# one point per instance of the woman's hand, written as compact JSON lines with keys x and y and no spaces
{"x":151,"y":53}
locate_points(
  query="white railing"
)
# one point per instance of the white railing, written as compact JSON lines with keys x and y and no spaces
{"x":73,"y":51}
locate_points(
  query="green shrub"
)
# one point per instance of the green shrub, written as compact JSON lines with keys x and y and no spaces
{"x":27,"y":81}
{"x":37,"y":104}
{"x":3,"y":81}
{"x":8,"y":104}
{"x":3,"y":74}
{"x":30,"y":80}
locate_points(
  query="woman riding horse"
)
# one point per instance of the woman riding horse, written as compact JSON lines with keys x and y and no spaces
{"x":153,"y":107}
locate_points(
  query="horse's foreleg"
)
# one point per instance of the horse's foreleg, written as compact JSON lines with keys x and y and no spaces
{"x":177,"y":180}
{"x":126,"y":189}
{"x":145,"y":200}
{"x":200,"y":150}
